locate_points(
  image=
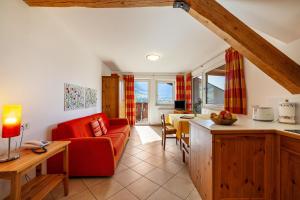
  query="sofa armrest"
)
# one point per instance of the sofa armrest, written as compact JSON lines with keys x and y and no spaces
{"x":118,"y":121}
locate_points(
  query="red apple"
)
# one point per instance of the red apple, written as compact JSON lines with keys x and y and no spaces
{"x":228,"y":115}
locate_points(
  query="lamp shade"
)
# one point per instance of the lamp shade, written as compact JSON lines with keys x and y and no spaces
{"x":11,"y":120}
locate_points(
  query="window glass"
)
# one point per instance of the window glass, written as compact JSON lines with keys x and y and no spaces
{"x":197,"y":94}
{"x":141,"y":91}
{"x":215,"y":86}
{"x":165,"y":93}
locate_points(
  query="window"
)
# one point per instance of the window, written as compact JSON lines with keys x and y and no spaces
{"x":197,"y":94}
{"x":215,"y":86}
{"x":165,"y":93}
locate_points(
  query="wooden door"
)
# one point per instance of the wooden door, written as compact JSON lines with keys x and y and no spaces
{"x":200,"y":165}
{"x":243,"y":167}
{"x":110,"y":96}
{"x":290,"y":169}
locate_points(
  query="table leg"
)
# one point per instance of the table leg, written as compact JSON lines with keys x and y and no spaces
{"x":15,"y":191}
{"x":66,"y":170}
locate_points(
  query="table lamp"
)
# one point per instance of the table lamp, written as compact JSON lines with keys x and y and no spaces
{"x":11,"y":127}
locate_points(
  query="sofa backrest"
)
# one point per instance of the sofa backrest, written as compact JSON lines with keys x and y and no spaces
{"x":77,"y":127}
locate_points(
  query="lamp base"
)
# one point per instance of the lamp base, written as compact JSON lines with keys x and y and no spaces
{"x":9,"y":157}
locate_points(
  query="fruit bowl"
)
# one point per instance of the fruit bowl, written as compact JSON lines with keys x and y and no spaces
{"x":227,"y":122}
{"x":224,"y":118}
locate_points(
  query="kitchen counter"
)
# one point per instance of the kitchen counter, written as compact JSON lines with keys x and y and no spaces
{"x":248,"y":160}
{"x":245,"y":124}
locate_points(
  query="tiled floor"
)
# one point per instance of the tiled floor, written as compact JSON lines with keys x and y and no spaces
{"x":145,"y":171}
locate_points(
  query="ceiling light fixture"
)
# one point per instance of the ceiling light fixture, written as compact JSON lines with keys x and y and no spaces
{"x":153,"y":57}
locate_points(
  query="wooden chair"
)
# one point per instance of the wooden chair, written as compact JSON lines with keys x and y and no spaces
{"x":166,"y":130}
{"x":185,"y":141}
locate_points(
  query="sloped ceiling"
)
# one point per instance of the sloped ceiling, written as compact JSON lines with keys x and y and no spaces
{"x":278,"y":18}
{"x":123,"y":37}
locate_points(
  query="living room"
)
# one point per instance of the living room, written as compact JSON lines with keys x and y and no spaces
{"x":48,"y":49}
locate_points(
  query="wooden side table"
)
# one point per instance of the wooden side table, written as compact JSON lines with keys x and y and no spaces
{"x":41,"y":185}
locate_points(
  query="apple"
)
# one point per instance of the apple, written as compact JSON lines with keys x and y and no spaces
{"x":228,"y":115}
{"x":222,"y":114}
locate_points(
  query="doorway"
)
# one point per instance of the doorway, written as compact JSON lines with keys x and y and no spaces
{"x":141,"y":95}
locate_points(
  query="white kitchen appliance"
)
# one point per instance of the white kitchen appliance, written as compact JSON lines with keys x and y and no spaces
{"x":263,"y":114}
{"x":287,"y":112}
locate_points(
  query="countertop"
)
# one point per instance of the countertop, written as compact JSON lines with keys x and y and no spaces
{"x":246,"y":124}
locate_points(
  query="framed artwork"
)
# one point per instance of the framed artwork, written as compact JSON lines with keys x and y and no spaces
{"x":74,"y":97}
{"x":90,"y":97}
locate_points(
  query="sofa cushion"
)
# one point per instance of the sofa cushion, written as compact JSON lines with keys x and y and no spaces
{"x":95,"y":126}
{"x":102,"y":126}
{"x":119,"y":129}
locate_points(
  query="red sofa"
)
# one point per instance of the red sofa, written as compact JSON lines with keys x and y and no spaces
{"x":89,"y":155}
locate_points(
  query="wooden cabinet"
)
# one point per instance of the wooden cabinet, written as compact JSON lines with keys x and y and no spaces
{"x":232,"y":166}
{"x":243,"y":167}
{"x":289,"y":168}
{"x":110,"y":96}
{"x":201,"y":161}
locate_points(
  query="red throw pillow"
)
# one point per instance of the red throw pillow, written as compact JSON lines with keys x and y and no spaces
{"x":102,"y":126}
{"x":96,"y":128}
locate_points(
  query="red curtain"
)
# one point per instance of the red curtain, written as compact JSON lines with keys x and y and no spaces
{"x":129,"y":98}
{"x":180,"y":93}
{"x":235,"y":89}
{"x":188,"y":91}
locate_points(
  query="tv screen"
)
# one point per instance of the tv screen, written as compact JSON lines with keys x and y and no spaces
{"x":179,"y":105}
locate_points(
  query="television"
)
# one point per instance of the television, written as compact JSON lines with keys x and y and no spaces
{"x":179,"y":105}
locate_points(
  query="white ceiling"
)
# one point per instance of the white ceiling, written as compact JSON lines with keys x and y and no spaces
{"x":123,"y":37}
{"x":277,"y":18}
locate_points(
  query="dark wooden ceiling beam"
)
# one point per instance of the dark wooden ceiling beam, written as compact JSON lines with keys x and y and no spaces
{"x":99,"y":3}
{"x":215,"y":17}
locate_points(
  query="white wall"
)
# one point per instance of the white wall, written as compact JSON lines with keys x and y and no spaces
{"x":154,"y":110}
{"x":262,"y":90}
{"x":37,"y":56}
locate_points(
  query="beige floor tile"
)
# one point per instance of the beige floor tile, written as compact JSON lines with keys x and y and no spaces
{"x":106,"y":189}
{"x":171,"y":167}
{"x":120,"y":168}
{"x":155,"y":161}
{"x":130,"y":161}
{"x":127,"y":177}
{"x":86,"y":195}
{"x":184,"y":173}
{"x":123,"y":195}
{"x":163,"y":194}
{"x":76,"y":186}
{"x":159,"y":176}
{"x":143,"y":168}
{"x":194,"y":195}
{"x":142,"y":155}
{"x":143,"y":188}
{"x":180,"y":186}
{"x":90,"y":182}
{"x":132,"y":150}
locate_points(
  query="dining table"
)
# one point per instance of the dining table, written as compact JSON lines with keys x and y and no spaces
{"x":181,"y":122}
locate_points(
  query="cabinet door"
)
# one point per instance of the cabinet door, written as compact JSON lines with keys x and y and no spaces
{"x":242,"y":166}
{"x":110,"y":96}
{"x":290,"y":169}
{"x":114,"y":97}
{"x":201,"y":160}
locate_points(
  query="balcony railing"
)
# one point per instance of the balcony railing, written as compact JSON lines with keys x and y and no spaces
{"x":141,"y":113}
